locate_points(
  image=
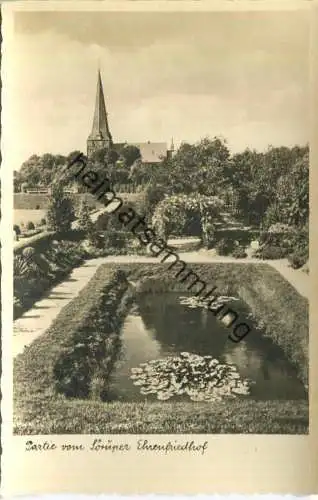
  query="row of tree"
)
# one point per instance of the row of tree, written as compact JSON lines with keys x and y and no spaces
{"x":43,"y":170}
{"x":263,"y":187}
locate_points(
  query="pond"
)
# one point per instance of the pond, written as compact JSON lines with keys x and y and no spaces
{"x":161,"y":326}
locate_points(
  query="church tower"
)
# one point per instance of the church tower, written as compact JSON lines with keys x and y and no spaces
{"x":100,"y":136}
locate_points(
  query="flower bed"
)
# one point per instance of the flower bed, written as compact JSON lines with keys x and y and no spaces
{"x":36,"y":272}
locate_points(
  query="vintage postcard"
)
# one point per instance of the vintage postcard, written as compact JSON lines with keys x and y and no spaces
{"x":158,"y":165}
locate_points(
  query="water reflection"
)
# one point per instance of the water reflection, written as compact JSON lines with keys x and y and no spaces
{"x":160,"y":326}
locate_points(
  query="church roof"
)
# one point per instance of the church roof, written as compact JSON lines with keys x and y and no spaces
{"x":152,"y":152}
{"x":100,"y":129}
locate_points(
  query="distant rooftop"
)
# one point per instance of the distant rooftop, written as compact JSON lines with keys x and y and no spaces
{"x":152,"y":152}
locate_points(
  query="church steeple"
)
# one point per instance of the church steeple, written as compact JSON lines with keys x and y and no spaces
{"x":100,"y":136}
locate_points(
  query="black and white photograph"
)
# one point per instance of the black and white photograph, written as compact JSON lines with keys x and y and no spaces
{"x":157,"y":190}
{"x":160,"y":172}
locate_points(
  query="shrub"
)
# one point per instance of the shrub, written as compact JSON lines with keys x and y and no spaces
{"x":239,"y":253}
{"x":30,"y":225}
{"x":43,"y":222}
{"x":37,"y":207}
{"x":153,"y":195}
{"x":298,"y":259}
{"x":60,"y":213}
{"x":102,"y":221}
{"x":305,"y":268}
{"x":300,"y":242}
{"x":84,"y":220}
{"x":225,"y":246}
{"x":35,"y":272}
{"x":242,"y":236}
{"x":117,"y":239}
{"x":28,"y":252}
{"x":281,"y":228}
{"x":17,"y":229}
{"x":280,"y":235}
{"x":271,"y":253}
{"x":21,"y":267}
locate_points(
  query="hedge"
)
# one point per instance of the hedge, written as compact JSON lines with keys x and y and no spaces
{"x":243,"y":236}
{"x":74,"y":356}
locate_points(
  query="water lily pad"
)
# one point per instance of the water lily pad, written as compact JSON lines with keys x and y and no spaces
{"x":201,"y":378}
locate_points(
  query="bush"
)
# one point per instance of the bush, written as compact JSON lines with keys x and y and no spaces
{"x":60,"y":213}
{"x":34,"y":272}
{"x":300,"y":242}
{"x":225,"y":246}
{"x":305,"y":268}
{"x":43,"y":222}
{"x":298,"y":259}
{"x":84,"y":220}
{"x":117,"y":239}
{"x":280,"y":235}
{"x":102,"y":221}
{"x":271,"y":253}
{"x":281,"y":228}
{"x":153,"y":195}
{"x":30,"y":225}
{"x":242,"y":236}
{"x":21,"y":267}
{"x":17,"y":229}
{"x":239,"y":253}
{"x":28,"y":252}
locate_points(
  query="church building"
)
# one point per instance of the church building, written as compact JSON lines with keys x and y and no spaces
{"x":100,"y":136}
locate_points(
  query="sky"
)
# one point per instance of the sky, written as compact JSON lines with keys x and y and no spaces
{"x":243,"y":76}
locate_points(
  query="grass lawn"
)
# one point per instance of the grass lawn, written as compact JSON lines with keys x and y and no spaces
{"x":233,"y":417}
{"x":25,"y":216}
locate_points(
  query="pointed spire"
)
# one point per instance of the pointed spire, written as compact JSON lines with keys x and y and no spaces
{"x":172,"y":145}
{"x":100,"y":129}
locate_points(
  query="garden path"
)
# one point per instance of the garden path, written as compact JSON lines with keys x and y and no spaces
{"x":36,"y":320}
{"x":296,"y":277}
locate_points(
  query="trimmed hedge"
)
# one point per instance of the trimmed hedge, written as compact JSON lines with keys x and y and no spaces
{"x":75,"y":355}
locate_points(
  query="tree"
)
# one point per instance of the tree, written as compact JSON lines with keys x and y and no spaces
{"x":195,"y":168}
{"x":60,"y":213}
{"x":17,"y":181}
{"x":129,"y":154}
{"x":269,"y":184}
{"x":84,"y":220}
{"x":293,"y":193}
